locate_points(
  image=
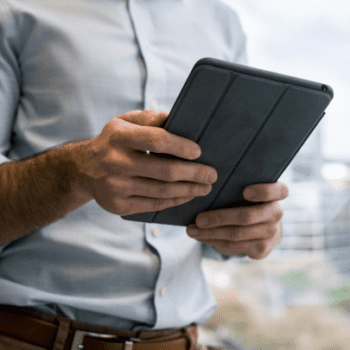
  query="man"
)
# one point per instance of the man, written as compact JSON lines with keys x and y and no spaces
{"x":81,"y":84}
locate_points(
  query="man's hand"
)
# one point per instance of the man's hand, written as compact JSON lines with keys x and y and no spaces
{"x":116,"y":170}
{"x":112,"y":168}
{"x":254,"y":231}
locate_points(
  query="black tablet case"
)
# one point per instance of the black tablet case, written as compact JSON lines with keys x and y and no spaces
{"x":249,"y":123}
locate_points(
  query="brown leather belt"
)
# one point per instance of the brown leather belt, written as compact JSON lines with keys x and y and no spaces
{"x":42,"y":329}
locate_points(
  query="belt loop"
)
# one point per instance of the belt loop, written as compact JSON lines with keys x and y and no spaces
{"x":62,"y":334}
{"x":192,"y":338}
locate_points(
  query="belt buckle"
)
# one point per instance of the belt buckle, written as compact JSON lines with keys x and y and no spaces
{"x":79,"y":336}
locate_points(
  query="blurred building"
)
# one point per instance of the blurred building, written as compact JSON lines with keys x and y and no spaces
{"x":317,"y":211}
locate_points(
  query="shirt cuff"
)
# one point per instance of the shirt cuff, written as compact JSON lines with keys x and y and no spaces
{"x":4,"y":159}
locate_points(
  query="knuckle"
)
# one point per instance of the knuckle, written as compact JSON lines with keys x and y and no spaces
{"x":126,"y":167}
{"x":272,"y":230}
{"x":165,"y":191}
{"x":216,"y":220}
{"x":117,"y":186}
{"x":158,"y":140}
{"x":246,"y":216}
{"x":116,"y":128}
{"x":199,"y":174}
{"x":235,"y":234}
{"x":284,"y":191}
{"x":152,"y":143}
{"x":126,"y":209}
{"x":261,"y":250}
{"x":159,"y":204}
{"x":237,"y":248}
{"x":231,"y":245}
{"x":121,"y":208}
{"x":187,"y":191}
{"x":183,"y":149}
{"x":113,"y":206}
{"x":124,"y":190}
{"x":170,"y":172}
{"x":115,"y":123}
{"x":191,"y":191}
{"x":118,"y":163}
{"x":150,"y":112}
{"x":200,"y":190}
{"x":278,"y":213}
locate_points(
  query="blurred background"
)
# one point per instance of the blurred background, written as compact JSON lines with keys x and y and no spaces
{"x":299,"y":296}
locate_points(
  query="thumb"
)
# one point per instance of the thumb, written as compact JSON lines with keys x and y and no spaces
{"x":145,"y":118}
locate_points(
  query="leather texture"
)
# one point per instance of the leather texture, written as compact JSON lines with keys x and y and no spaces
{"x":21,"y":331}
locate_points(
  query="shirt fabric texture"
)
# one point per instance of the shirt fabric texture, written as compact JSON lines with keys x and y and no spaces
{"x":66,"y":68}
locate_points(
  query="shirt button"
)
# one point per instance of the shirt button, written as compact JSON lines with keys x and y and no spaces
{"x":148,"y":45}
{"x":162,"y":291}
{"x":156,"y":231}
{"x":154,"y":104}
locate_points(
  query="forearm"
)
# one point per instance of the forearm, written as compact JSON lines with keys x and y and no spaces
{"x":38,"y":191}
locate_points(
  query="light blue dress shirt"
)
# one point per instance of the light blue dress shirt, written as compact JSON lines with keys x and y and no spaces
{"x":66,"y":68}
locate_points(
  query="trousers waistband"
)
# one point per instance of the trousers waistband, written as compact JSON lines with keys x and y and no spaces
{"x":60,"y":333}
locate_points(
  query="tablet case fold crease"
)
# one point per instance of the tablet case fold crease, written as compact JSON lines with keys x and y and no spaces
{"x":249,"y":124}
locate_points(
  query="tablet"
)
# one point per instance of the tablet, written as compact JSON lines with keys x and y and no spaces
{"x":249,"y":123}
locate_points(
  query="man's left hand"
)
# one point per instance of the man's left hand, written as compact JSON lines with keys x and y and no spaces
{"x":253,"y":230}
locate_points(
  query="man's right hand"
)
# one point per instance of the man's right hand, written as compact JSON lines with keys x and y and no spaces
{"x":116,"y":170}
{"x":113,"y":168}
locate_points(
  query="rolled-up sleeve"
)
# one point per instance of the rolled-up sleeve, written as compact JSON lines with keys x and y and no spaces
{"x":9,"y":77}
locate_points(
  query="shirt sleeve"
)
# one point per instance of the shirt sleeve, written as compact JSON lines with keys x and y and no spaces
{"x":9,"y":77}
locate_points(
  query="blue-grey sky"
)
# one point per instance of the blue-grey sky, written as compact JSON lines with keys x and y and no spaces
{"x":309,"y":39}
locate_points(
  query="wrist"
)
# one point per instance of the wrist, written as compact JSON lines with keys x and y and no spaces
{"x":38,"y":191}
{"x":73,"y":159}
